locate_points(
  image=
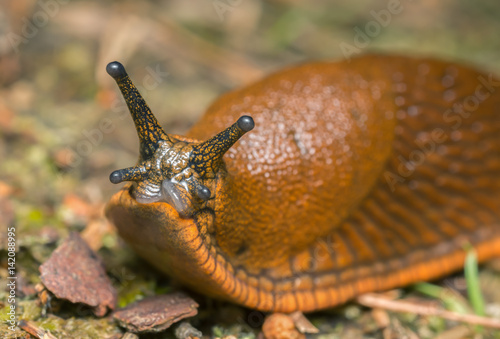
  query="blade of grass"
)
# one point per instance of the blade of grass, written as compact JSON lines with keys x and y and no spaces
{"x":473,"y":286}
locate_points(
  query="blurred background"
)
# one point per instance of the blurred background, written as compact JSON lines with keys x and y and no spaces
{"x":64,"y":126}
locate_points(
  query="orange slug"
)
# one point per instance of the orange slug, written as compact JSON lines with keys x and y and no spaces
{"x":319,"y":183}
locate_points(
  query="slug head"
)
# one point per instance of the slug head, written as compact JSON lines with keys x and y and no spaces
{"x":171,"y":169}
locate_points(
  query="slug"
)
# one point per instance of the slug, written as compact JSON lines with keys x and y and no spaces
{"x":319,"y":183}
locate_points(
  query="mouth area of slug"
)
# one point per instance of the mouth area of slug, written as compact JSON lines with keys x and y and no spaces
{"x":171,"y":192}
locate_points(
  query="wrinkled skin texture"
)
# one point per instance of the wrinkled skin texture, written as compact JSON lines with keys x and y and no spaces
{"x":359,"y":176}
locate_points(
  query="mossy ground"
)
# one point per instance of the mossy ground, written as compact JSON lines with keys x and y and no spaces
{"x":63,"y":128}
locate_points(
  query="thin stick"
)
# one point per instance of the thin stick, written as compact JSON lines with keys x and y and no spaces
{"x":34,"y":330}
{"x":373,"y":300}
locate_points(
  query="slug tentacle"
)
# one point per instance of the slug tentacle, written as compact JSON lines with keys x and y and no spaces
{"x":207,"y":156}
{"x":135,"y":173}
{"x":148,"y":128}
{"x":170,"y":169}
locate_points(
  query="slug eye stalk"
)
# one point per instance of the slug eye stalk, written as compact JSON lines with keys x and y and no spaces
{"x":207,"y":156}
{"x":148,"y":129}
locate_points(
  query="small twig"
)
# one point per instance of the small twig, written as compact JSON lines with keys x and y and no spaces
{"x":302,"y":323}
{"x":378,"y":301}
{"x":34,"y":330}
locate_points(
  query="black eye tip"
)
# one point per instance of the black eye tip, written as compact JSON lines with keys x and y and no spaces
{"x":116,"y":70}
{"x":246,"y":123}
{"x":116,"y":177}
{"x":204,"y":193}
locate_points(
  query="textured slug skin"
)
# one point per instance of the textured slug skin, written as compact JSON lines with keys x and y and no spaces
{"x":359,"y":176}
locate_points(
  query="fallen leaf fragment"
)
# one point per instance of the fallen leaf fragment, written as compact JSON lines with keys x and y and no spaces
{"x":302,"y":323}
{"x":280,"y":326}
{"x":74,"y":272}
{"x":155,"y":314}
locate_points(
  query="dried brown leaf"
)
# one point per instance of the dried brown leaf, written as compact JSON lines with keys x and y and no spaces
{"x":155,"y":314}
{"x":75,"y":273}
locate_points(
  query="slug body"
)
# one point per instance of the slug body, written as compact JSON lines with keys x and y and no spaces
{"x":359,"y":176}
